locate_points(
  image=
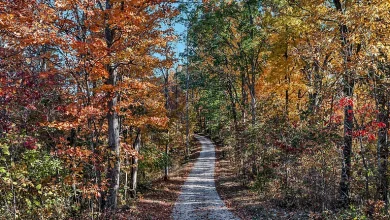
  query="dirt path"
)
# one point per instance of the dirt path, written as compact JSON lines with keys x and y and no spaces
{"x":199,"y":198}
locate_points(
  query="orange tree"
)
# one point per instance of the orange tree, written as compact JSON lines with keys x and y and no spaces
{"x":76,"y":76}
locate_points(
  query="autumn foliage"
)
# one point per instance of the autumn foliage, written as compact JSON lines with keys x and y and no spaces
{"x":77,"y":87}
{"x":297,"y":92}
{"x":93,"y":104}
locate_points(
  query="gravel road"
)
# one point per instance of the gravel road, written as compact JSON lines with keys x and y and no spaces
{"x":199,"y":198}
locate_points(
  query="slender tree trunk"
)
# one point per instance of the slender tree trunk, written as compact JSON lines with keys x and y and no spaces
{"x":242,"y":143}
{"x":383,"y":148}
{"x":166,"y":168}
{"x":316,"y":83}
{"x":253,"y":114}
{"x":287,"y":81}
{"x":253,"y":102}
{"x":168,"y":108}
{"x":243,"y":98}
{"x":134,"y":169}
{"x":187,"y":153}
{"x":126,"y":185}
{"x":125,"y":134}
{"x":113,"y":144}
{"x":348,"y":81}
{"x":252,"y":75}
{"x":233,"y":109}
{"x":286,"y":103}
{"x":347,"y":148}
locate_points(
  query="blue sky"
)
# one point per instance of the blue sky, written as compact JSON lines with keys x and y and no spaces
{"x":180,"y":31}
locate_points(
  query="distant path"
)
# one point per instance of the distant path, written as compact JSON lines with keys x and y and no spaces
{"x":199,"y":198}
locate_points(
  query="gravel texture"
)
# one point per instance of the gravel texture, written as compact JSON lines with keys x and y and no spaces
{"x":199,"y":198}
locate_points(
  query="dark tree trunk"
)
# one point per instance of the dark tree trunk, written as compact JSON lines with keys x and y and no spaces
{"x":244,"y":97}
{"x":383,"y":148}
{"x":253,"y":101}
{"x":347,"y":150}
{"x":348,"y":80}
{"x":230,"y":90}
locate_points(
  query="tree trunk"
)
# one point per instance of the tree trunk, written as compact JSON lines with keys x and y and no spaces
{"x":230,"y":89}
{"x":253,"y":101}
{"x":113,"y":124}
{"x":316,"y":83}
{"x":168,"y":108}
{"x":348,"y":81}
{"x":187,"y":153}
{"x":166,"y":168}
{"x":243,"y":98}
{"x":347,"y":149}
{"x":113,"y":144}
{"x":134,"y":169}
{"x":382,"y":148}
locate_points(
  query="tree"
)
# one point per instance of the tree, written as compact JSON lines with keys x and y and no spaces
{"x":86,"y":53}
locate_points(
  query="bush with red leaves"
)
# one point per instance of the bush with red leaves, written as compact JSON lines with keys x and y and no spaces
{"x":30,"y":144}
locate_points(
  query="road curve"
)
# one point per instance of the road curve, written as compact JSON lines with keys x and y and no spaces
{"x":199,"y":198}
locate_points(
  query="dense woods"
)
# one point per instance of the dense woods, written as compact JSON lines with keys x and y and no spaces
{"x":95,"y":103}
{"x":297,"y":91}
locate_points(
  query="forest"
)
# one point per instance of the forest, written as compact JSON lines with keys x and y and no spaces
{"x":100,"y":113}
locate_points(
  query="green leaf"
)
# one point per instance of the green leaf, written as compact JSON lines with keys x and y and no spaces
{"x":28,"y":202}
{"x":38,"y":187}
{"x":36,"y":202}
{"x":5,"y":149}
